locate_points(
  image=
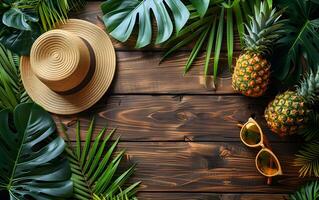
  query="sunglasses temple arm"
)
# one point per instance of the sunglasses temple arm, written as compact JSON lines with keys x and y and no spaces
{"x":269,"y":180}
{"x":240,"y":125}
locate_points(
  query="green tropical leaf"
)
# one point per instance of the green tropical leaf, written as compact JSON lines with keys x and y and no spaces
{"x":49,"y":11}
{"x":309,"y":191}
{"x":12,"y":91}
{"x":299,"y":49}
{"x":121,"y":197}
{"x":120,"y":18}
{"x":19,"y":41}
{"x":76,"y":5}
{"x":230,"y":38}
{"x":198,"y":25}
{"x":308,"y":160}
{"x":16,"y":18}
{"x":201,"y":6}
{"x":311,"y":131}
{"x":31,"y":154}
{"x":218,"y":44}
{"x":95,"y":168}
{"x":24,"y":20}
{"x":210,"y":46}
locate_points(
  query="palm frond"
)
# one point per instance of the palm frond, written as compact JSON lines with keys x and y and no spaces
{"x":49,"y":11}
{"x":311,"y":131}
{"x":310,"y":191}
{"x":122,"y":197}
{"x":12,"y":91}
{"x":95,"y":167}
{"x":76,"y":5}
{"x":213,"y":23}
{"x":308,"y":160}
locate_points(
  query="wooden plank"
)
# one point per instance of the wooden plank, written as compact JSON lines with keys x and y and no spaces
{"x":209,"y":196}
{"x":140,"y":72}
{"x":92,"y":12}
{"x":207,"y":167}
{"x":173,"y":118}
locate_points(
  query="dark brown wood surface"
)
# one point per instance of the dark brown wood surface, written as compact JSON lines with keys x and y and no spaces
{"x":183,"y":137}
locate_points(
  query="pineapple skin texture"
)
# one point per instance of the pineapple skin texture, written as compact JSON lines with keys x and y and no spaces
{"x":251,"y":75}
{"x":286,"y":114}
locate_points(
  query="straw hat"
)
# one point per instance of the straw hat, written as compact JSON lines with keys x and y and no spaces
{"x":70,"y":68}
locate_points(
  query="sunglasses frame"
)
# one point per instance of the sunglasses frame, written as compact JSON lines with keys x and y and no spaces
{"x":263,"y":147}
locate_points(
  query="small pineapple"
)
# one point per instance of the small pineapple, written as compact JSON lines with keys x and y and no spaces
{"x":252,"y":71}
{"x":288,"y":112}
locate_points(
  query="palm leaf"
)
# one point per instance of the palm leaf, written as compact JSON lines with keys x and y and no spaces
{"x":32,"y":165}
{"x":311,"y":130}
{"x":308,"y":160}
{"x":11,"y":88}
{"x":76,"y":5}
{"x":198,"y":25}
{"x":95,"y":167}
{"x":299,"y":49}
{"x":23,"y":21}
{"x":49,"y":11}
{"x":310,"y":191}
{"x":121,"y":197}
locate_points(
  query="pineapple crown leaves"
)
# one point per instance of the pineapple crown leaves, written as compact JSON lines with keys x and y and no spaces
{"x":263,"y":30}
{"x":309,"y":87}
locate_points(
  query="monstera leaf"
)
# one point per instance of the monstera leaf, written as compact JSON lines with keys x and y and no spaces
{"x":18,"y":19}
{"x":22,"y":21}
{"x":31,"y":162}
{"x":299,"y":49}
{"x":19,"y":41}
{"x":120,"y":17}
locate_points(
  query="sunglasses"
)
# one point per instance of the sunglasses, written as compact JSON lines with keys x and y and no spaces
{"x":266,"y":161}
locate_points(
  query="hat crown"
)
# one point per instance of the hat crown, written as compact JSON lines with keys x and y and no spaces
{"x":60,"y":59}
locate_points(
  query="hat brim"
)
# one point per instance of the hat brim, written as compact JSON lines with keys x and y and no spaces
{"x":101,"y":80}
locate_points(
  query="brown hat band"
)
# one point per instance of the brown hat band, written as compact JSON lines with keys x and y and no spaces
{"x":89,"y":74}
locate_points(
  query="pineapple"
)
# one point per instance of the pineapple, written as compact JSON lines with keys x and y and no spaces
{"x":252,"y":71}
{"x":288,"y":112}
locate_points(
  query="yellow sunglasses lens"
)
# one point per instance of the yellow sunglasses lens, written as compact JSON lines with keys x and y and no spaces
{"x":267,"y":163}
{"x":251,"y":134}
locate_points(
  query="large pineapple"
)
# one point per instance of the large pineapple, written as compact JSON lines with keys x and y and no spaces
{"x":252,"y":71}
{"x":288,"y":112}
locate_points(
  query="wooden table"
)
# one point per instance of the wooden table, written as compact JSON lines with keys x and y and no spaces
{"x":183,"y":137}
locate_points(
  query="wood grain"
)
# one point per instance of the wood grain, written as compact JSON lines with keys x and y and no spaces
{"x":209,"y":196}
{"x":140,"y":72}
{"x":183,"y":136}
{"x":173,"y":118}
{"x":207,"y":167}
